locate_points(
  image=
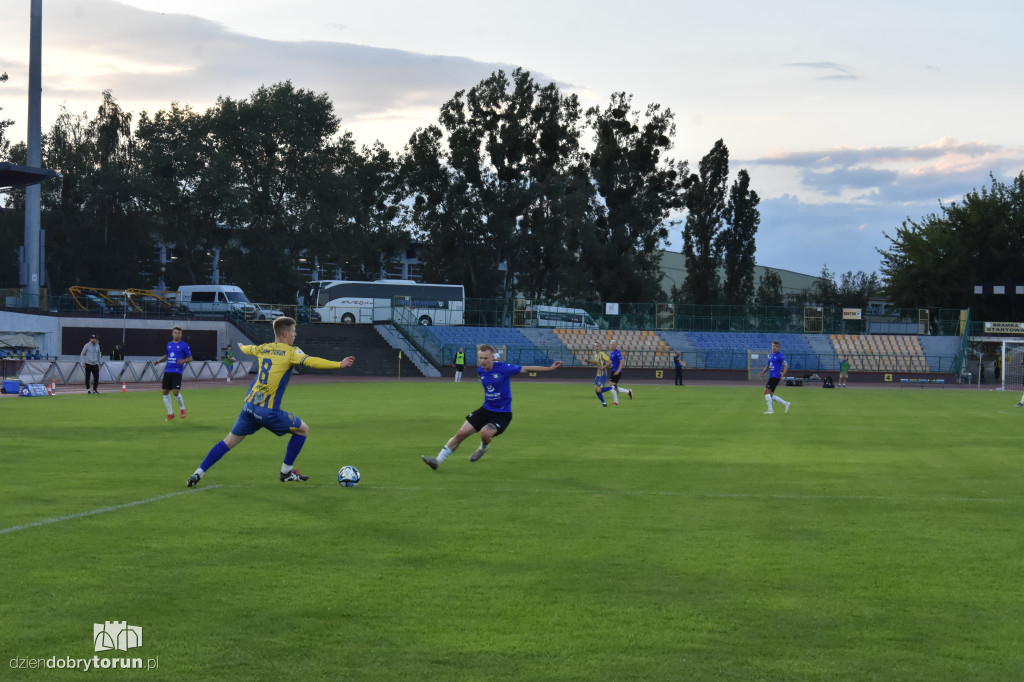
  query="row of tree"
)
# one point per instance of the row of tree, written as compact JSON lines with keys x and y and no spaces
{"x":979,"y":241}
{"x":506,"y":192}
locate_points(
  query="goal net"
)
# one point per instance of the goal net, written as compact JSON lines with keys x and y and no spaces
{"x":1012,"y":360}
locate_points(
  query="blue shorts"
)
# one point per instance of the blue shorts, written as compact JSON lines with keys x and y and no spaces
{"x":600,"y":381}
{"x":253,"y":418}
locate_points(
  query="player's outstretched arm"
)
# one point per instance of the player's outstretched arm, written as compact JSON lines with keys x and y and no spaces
{"x":321,"y":363}
{"x":539,"y":368}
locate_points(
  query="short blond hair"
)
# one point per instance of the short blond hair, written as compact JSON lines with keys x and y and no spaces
{"x":483,"y":347}
{"x":283,"y":324}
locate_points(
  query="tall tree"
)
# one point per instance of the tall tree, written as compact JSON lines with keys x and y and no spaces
{"x":93,"y":213}
{"x":936,"y":261}
{"x":281,"y":141}
{"x":852,"y":290}
{"x":769,"y":289}
{"x":705,"y":203}
{"x":737,"y":241}
{"x":640,"y":188}
{"x":10,"y":225}
{"x":369,"y":233}
{"x":825,"y":291}
{"x":448,"y":215}
{"x":510,"y":167}
{"x":5,"y":123}
{"x":857,"y":289}
{"x":189,"y":187}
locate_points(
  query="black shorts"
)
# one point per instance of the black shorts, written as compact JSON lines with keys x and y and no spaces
{"x":172,"y":381}
{"x":482,"y":417}
{"x":459,"y":368}
{"x":772,"y":383}
{"x":615,"y":377}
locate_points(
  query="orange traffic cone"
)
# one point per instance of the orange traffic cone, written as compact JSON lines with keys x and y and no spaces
{"x":124,"y":387}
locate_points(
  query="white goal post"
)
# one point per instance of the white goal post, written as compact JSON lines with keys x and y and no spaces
{"x":1011,"y":358}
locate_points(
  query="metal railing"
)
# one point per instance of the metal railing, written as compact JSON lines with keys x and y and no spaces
{"x":486,"y":312}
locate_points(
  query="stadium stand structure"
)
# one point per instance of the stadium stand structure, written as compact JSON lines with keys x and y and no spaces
{"x":639,"y":348}
{"x":682,"y":343}
{"x":881,"y":352}
{"x":728,"y":350}
{"x":805,"y":353}
{"x":822,"y":348}
{"x":941,"y":352}
{"x":336,"y":341}
{"x":519,"y":349}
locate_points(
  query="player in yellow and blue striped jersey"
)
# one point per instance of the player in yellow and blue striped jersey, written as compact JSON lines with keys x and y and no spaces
{"x":262,"y":406}
{"x":600,"y":360}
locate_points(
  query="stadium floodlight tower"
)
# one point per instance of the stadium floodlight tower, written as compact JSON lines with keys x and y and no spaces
{"x":30,"y":175}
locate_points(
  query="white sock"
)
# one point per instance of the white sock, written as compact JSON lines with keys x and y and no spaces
{"x":167,"y":402}
{"x":199,"y":472}
{"x":286,"y":468}
{"x":768,"y":399}
{"x":181,"y":401}
{"x":483,"y":448}
{"x":443,"y":455}
{"x":779,"y":400}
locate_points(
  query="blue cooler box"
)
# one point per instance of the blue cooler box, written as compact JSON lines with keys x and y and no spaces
{"x":12,"y":386}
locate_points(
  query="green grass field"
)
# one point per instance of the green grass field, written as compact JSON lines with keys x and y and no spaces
{"x":867,"y":535}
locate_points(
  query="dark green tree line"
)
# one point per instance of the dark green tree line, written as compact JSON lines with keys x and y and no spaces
{"x":936,"y":261}
{"x":501,"y":191}
{"x":640,"y":188}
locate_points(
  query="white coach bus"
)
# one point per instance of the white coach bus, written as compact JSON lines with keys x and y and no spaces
{"x":341,"y":301}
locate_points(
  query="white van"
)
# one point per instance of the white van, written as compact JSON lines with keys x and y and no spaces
{"x":563,"y":318}
{"x":214,"y":299}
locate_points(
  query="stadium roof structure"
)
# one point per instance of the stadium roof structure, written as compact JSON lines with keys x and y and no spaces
{"x":12,"y":175}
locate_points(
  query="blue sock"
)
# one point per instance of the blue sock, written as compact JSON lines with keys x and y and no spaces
{"x":295,"y":444}
{"x":216,"y":452}
{"x":600,"y":397}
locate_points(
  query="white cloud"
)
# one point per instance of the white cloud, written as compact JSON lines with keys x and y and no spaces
{"x":148,"y":60}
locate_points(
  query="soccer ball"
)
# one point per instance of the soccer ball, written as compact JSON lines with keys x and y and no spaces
{"x":348,"y":477}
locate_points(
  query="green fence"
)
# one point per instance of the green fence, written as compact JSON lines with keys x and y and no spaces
{"x":486,"y":312}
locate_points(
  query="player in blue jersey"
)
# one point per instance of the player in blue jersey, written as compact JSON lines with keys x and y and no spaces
{"x":777,"y":368}
{"x":617,"y":365}
{"x":177,"y":356}
{"x":262,"y":406}
{"x":495,"y":414}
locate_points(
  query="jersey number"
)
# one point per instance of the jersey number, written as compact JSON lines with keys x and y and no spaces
{"x":265,"y":366}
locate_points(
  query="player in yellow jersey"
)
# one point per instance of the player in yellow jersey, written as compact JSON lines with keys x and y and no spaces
{"x":600,"y":360}
{"x":262,"y":406}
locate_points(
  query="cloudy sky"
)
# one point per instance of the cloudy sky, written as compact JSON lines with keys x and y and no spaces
{"x":850,"y":117}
